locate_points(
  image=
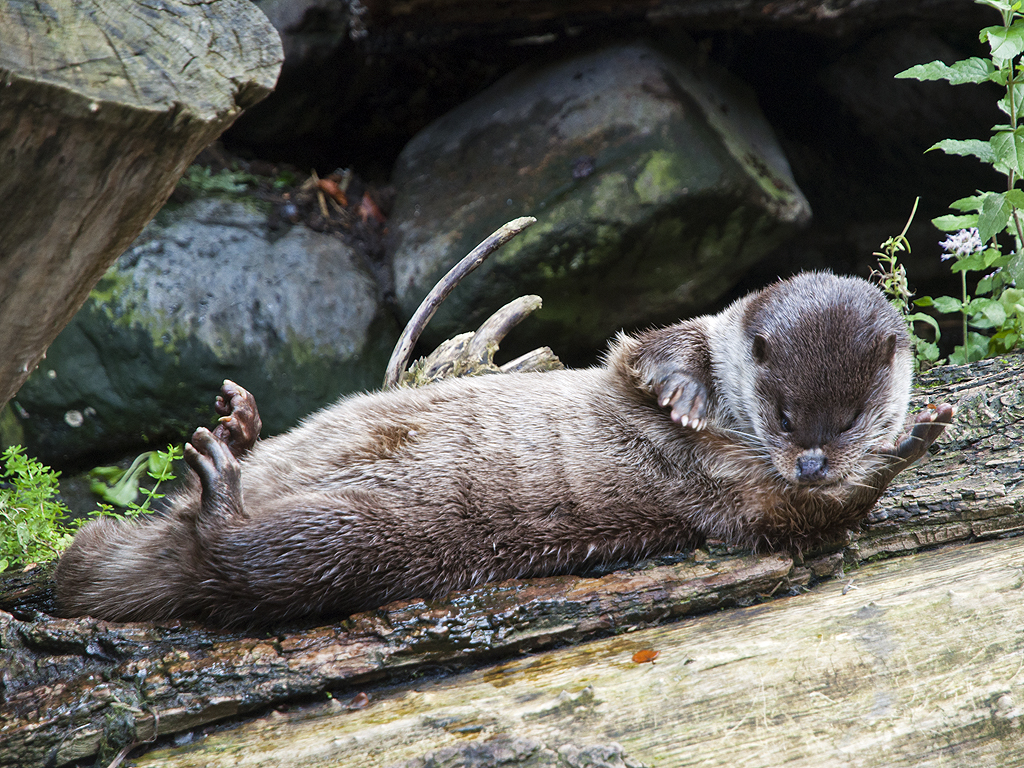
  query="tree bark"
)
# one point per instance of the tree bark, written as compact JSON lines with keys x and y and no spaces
{"x":105,"y":103}
{"x":914,"y":665}
{"x":74,"y":688}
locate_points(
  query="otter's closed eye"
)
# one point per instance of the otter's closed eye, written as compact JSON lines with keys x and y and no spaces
{"x":785,"y":423}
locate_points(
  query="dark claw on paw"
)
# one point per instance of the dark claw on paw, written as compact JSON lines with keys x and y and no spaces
{"x":240,"y":422}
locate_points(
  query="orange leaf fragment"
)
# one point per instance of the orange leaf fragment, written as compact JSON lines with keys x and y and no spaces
{"x":369,"y":210}
{"x":329,"y":187}
{"x":647,"y":654}
{"x":360,"y":701}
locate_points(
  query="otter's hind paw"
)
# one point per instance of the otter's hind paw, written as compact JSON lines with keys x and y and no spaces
{"x":685,"y":396}
{"x":219,"y":474}
{"x":240,"y":422}
{"x":928,"y":425}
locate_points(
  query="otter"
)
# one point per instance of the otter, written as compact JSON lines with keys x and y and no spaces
{"x":773,"y":424}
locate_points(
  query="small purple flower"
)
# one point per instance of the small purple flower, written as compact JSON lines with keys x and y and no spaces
{"x":962,"y":244}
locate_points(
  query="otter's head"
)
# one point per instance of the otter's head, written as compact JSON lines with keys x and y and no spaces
{"x":831,"y":380}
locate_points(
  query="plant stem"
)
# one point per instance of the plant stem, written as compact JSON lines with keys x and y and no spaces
{"x":963,"y":312}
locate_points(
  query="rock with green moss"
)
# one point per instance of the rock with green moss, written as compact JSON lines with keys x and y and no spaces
{"x":207,"y":292}
{"x":656,"y":185}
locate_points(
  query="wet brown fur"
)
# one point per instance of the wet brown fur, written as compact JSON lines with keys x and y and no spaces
{"x":417,"y":492}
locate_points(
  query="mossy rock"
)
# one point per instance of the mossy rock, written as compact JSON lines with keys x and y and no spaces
{"x":207,"y":292}
{"x":655,"y":184}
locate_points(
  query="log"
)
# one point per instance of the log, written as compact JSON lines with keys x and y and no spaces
{"x":105,"y":103}
{"x":918,"y":665}
{"x":74,"y":688}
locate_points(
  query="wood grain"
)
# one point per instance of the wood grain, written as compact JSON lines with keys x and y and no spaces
{"x":920,"y":664}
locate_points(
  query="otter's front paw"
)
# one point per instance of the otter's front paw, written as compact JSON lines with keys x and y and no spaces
{"x":240,"y":422}
{"x":685,"y":396}
{"x":928,"y":425}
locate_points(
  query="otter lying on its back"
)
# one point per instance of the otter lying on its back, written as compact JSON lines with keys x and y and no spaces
{"x":771,"y":424}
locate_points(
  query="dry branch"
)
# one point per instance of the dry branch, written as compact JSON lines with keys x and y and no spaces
{"x":414,"y":328}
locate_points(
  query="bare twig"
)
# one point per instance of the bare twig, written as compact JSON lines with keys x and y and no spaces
{"x":488,"y":337}
{"x":540,"y":359}
{"x":403,"y":349}
{"x":472,"y":354}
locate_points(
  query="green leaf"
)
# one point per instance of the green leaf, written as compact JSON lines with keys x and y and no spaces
{"x":966,"y":148}
{"x":947,"y":304}
{"x":973,"y":70}
{"x":1010,"y":299}
{"x":953,"y":223}
{"x":1002,"y":342}
{"x":924,"y":301}
{"x":160,"y":465}
{"x":126,"y":489}
{"x":3,"y":564}
{"x":1005,"y":42}
{"x":24,"y":534}
{"x":977,"y":346}
{"x":1014,"y":268}
{"x":994,"y":257}
{"x":958,"y":357}
{"x":1015,"y":197}
{"x":107,"y":474}
{"x":990,"y":309}
{"x":973,"y":262}
{"x":999,"y":5}
{"x":972,"y":203}
{"x":1009,"y":149}
{"x":921,"y":317}
{"x":995,"y":213}
{"x":926,"y":350}
{"x":1018,"y":101}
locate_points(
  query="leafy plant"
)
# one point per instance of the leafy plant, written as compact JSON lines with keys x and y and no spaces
{"x":892,"y":279}
{"x":202,"y":180}
{"x":122,"y":488}
{"x":983,"y":218}
{"x":32,"y":527}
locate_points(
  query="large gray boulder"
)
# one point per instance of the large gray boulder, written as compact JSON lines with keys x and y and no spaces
{"x":207,"y":292}
{"x":656,"y":185}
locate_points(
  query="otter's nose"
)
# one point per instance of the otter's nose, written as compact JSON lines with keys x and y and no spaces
{"x":811,"y":466}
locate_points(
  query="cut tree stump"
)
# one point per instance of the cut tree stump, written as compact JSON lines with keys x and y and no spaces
{"x":103,"y":105}
{"x":72,"y":688}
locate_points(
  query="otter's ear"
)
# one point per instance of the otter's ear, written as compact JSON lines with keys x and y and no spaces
{"x":887,"y":348}
{"x":760,"y":348}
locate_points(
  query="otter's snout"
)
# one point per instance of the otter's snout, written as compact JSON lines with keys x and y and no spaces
{"x":811,"y":466}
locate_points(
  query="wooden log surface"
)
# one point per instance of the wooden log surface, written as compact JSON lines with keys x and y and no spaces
{"x":72,"y":688}
{"x":919,"y":663}
{"x":103,"y":104}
